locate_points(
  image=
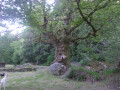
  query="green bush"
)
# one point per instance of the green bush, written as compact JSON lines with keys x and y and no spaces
{"x":75,"y":76}
{"x":84,"y":62}
{"x":8,"y":66}
{"x":111,"y":71}
{"x":80,"y":74}
{"x":94,"y":74}
{"x":49,"y":60}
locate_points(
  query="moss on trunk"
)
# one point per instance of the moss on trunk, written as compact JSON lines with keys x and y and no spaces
{"x":61,"y":63}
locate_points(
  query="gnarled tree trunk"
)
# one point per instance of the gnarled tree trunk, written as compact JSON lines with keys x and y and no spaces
{"x":61,"y":63}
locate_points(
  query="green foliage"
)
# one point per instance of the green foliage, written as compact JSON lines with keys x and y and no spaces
{"x":6,"y":51}
{"x":50,"y":58}
{"x":111,"y":71}
{"x":18,"y":50}
{"x":80,"y":74}
{"x":95,"y":75}
{"x":105,"y":47}
{"x":75,"y":76}
{"x":35,"y":53}
{"x":8,"y":66}
{"x":45,"y":54}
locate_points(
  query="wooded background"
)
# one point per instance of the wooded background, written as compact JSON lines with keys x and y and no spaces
{"x":93,"y":25}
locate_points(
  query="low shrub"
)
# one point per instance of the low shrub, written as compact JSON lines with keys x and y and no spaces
{"x":111,"y":71}
{"x":75,"y":74}
{"x":95,"y":75}
{"x":80,"y":74}
{"x":8,"y":66}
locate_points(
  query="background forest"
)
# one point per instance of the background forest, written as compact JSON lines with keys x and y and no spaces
{"x":20,"y":48}
{"x":16,"y":49}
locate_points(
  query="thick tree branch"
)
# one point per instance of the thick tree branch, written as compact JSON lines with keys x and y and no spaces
{"x":89,"y":15}
{"x":89,"y":34}
{"x":72,"y":28}
{"x":39,"y":39}
{"x":98,"y":8}
{"x":85,"y":19}
{"x":85,"y":37}
{"x":45,"y":16}
{"x":100,"y":27}
{"x":46,"y":37}
{"x":94,"y":30}
{"x":51,"y":37}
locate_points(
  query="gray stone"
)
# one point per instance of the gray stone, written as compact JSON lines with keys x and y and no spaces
{"x":57,"y":69}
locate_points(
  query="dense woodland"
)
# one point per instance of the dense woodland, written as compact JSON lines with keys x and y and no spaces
{"x":81,"y":31}
{"x":15,"y":49}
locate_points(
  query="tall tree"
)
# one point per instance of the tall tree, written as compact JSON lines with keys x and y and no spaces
{"x":60,"y":23}
{"x":6,"y":51}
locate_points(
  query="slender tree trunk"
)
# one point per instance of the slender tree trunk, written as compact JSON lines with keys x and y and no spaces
{"x":61,"y":63}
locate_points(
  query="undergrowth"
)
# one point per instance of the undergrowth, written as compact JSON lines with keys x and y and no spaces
{"x":80,"y":74}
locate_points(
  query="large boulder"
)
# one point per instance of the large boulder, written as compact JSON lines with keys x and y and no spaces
{"x":57,"y":69}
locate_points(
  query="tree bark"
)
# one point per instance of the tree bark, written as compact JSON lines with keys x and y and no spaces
{"x":61,"y":63}
{"x":62,"y":54}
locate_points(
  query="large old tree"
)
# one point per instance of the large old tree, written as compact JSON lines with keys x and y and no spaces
{"x":62,"y":23}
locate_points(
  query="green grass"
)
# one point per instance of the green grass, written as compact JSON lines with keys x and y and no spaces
{"x":94,"y":74}
{"x":111,"y":71}
{"x":42,"y":80}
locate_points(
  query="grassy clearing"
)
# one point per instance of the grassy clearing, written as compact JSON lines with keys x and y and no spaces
{"x":42,"y":80}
